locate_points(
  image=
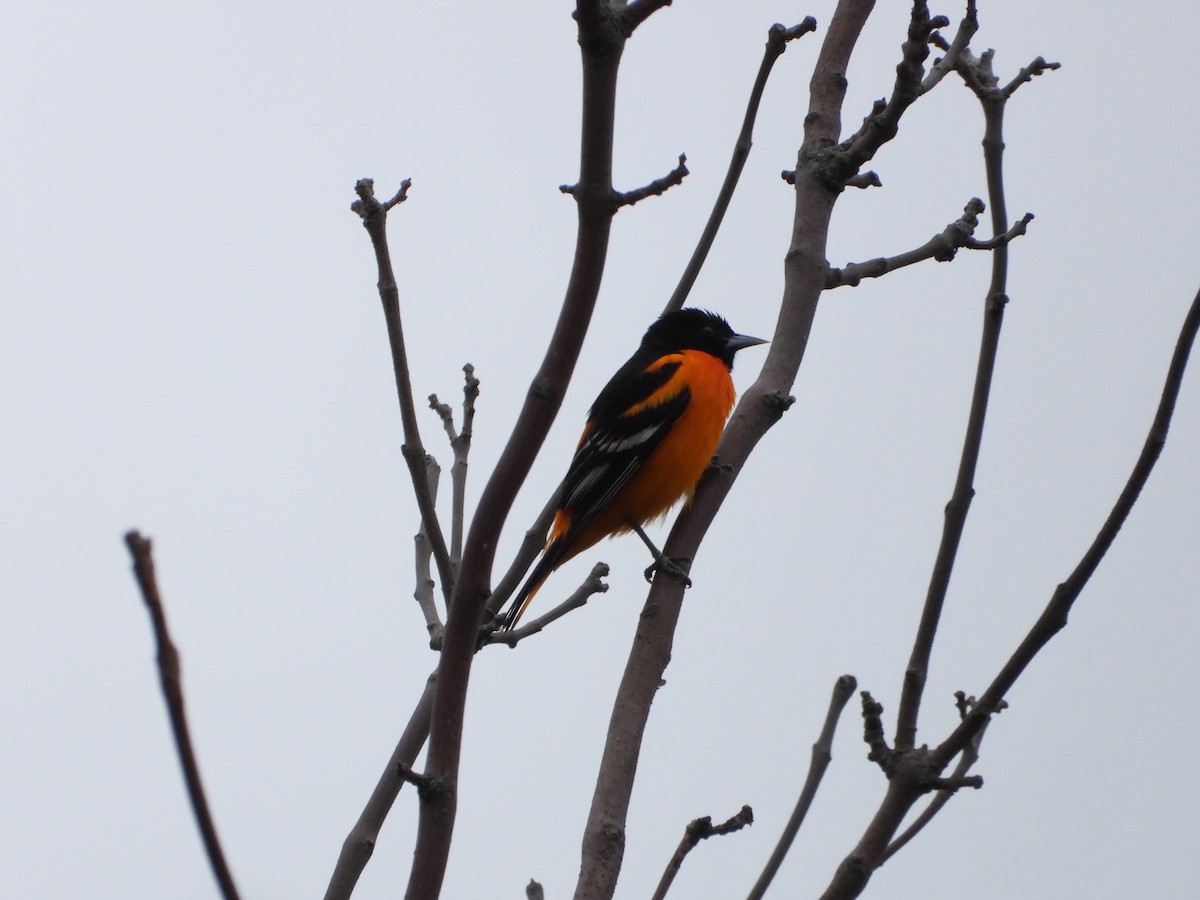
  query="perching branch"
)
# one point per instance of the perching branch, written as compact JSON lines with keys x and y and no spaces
{"x":760,"y":407}
{"x":374,"y":219}
{"x":778,"y":37}
{"x":172,"y":687}
{"x":943,"y":247}
{"x":822,"y":754}
{"x":697,"y":831}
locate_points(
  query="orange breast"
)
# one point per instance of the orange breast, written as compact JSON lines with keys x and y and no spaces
{"x":674,"y":468}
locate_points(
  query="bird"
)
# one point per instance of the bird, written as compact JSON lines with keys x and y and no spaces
{"x":650,"y":435}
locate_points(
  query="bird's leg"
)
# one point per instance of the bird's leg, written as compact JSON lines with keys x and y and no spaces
{"x":676,"y":568}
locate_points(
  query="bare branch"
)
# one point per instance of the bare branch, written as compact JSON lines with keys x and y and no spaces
{"x":638,"y":11}
{"x":697,"y":831}
{"x":460,"y":444}
{"x":360,"y":842}
{"x":655,"y":188}
{"x":601,"y":46}
{"x":1054,"y":616}
{"x":1037,"y":67}
{"x":759,"y":408}
{"x":881,"y":126}
{"x":822,"y":754}
{"x":862,"y":180}
{"x":778,"y":37}
{"x":993,"y":106}
{"x":962,"y":39}
{"x":941,"y":247}
{"x":374,"y":219}
{"x":591,"y":586}
{"x":966,"y":760}
{"x":172,"y":687}
{"x":423,"y":593}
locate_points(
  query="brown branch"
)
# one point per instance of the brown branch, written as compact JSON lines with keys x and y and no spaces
{"x":966,"y":760}
{"x":591,"y":586}
{"x":881,"y":126}
{"x":914,"y":771}
{"x":943,"y":247}
{"x":655,"y":188}
{"x":778,"y":37}
{"x":760,"y":407}
{"x":954,"y":50}
{"x":601,"y":45}
{"x":423,"y":550}
{"x":822,"y":754}
{"x":1054,"y":616}
{"x":140,"y":550}
{"x":697,"y":831}
{"x":374,"y":219}
{"x":460,"y":444}
{"x":964,"y":488}
{"x":861,"y":181}
{"x":360,"y":842}
{"x":638,"y":11}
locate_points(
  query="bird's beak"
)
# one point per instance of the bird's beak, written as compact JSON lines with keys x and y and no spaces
{"x":742,"y":341}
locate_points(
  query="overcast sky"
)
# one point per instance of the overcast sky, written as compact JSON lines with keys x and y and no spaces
{"x":192,"y":345}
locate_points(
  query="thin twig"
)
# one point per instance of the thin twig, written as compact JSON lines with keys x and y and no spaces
{"x":423,"y":549}
{"x":374,"y":219}
{"x":460,"y":444}
{"x":591,"y":586}
{"x":881,"y":125}
{"x":360,"y":842}
{"x":957,"y":508}
{"x":1054,"y":616}
{"x":822,"y":754}
{"x":942,"y":247}
{"x":655,"y":188}
{"x":954,"y":50}
{"x":697,"y":831}
{"x":172,"y":687}
{"x":778,"y":37}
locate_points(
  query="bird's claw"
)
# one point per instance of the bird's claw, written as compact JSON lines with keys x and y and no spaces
{"x":671,"y":567}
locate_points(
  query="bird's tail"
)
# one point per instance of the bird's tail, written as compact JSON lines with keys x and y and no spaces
{"x":551,"y":557}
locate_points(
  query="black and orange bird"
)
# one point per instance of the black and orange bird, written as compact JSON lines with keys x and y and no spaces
{"x":649,"y":437}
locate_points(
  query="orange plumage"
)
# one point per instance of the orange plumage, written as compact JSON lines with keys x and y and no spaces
{"x":650,"y":435}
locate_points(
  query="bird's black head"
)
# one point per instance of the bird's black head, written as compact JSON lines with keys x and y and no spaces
{"x":697,"y":329}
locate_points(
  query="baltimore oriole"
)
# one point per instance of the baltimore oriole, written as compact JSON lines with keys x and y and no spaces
{"x":649,"y":437}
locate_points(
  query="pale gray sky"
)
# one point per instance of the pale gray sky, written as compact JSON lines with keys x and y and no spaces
{"x":192,"y":345}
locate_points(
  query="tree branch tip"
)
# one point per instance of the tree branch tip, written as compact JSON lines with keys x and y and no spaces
{"x":788,"y":175}
{"x":655,"y":188}
{"x":779,"y":35}
{"x":862,"y":180}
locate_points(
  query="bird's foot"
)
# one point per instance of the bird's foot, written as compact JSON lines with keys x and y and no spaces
{"x":675,"y":568}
